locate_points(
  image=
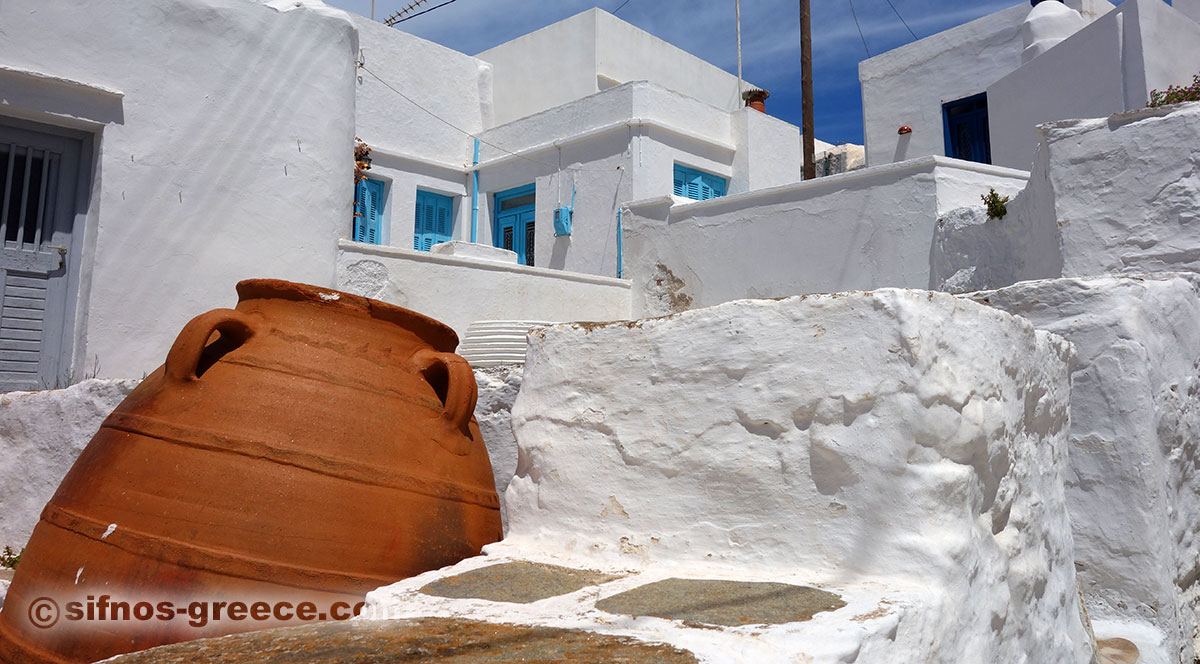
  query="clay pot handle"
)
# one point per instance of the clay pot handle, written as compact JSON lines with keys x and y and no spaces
{"x":453,"y":379}
{"x":184,"y":356}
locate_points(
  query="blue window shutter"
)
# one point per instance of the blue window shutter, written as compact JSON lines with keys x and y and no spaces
{"x":434,"y":221}
{"x":418,"y":235}
{"x":368,"y":206}
{"x":443,"y":225}
{"x":374,"y":211}
{"x":697,"y":185}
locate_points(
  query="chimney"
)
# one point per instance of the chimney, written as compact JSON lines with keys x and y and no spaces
{"x":756,"y":99}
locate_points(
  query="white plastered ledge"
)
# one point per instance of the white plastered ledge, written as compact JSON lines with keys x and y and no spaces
{"x":34,"y":95}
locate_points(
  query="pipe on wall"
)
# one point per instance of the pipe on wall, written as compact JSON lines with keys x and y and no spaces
{"x":475,"y":193}
{"x":619,"y":261}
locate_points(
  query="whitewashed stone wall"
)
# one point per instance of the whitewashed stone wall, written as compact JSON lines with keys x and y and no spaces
{"x":972,"y":251}
{"x":41,"y":434}
{"x":1106,"y":196}
{"x":870,"y":228}
{"x":1133,"y":489}
{"x":498,"y":387}
{"x":894,"y":437}
{"x":1124,"y":191}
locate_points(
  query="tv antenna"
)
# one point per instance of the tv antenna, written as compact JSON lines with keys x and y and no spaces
{"x":392,"y":20}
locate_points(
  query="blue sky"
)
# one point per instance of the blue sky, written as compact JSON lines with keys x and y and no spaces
{"x":706,"y":28}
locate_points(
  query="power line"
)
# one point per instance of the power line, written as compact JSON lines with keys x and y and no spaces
{"x":910,"y":30}
{"x":469,"y":134}
{"x":619,"y":8}
{"x":406,"y":18}
{"x":860,"y":32}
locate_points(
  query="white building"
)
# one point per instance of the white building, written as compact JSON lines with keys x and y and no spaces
{"x":977,"y":91}
{"x":191,"y":147}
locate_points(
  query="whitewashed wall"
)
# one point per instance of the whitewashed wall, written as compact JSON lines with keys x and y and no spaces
{"x":455,"y":86}
{"x":234,"y":128}
{"x":1122,"y":192}
{"x":1108,"y":67}
{"x":908,"y":85}
{"x":1109,"y":195}
{"x":411,"y":149}
{"x":459,"y":291}
{"x":744,"y":438}
{"x":861,"y":230}
{"x":1191,"y":8}
{"x":1170,"y":43}
{"x":592,"y":51}
{"x":769,"y":152}
{"x":1133,"y":489}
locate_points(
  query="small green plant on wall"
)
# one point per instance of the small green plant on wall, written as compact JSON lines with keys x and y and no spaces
{"x":1176,"y":94}
{"x":9,"y":559}
{"x":997,"y":205}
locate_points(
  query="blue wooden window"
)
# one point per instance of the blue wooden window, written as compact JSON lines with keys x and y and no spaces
{"x":368,"y":212}
{"x":434,"y":221}
{"x":697,"y":185}
{"x":966,"y":129}
{"x":514,"y":227}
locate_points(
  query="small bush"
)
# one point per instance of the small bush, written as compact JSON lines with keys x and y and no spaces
{"x":9,"y":559}
{"x":1175,"y":94}
{"x":996,"y":204}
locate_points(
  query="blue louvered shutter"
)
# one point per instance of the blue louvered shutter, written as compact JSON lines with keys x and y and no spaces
{"x":368,"y":222}
{"x":697,"y":185}
{"x":434,"y":221}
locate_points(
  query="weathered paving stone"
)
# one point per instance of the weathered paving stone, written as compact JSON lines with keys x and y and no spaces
{"x":441,"y":640}
{"x":728,"y":603}
{"x":517,"y":582}
{"x":1117,"y":651}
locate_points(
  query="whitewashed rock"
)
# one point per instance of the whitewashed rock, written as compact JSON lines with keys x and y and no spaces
{"x":1123,"y":191}
{"x":972,"y":251}
{"x":41,"y":434}
{"x":1106,"y":196}
{"x":1133,"y":491}
{"x":903,"y":448}
{"x":498,"y":388}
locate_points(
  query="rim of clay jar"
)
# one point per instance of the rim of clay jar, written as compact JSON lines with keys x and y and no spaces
{"x":436,"y":333}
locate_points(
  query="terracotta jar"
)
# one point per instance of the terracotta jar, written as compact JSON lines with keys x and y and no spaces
{"x":308,"y":445}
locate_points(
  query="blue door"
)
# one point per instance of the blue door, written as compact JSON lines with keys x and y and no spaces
{"x":966,"y":123}
{"x":514,"y":227}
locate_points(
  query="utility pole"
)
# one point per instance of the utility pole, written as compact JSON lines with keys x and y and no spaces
{"x":806,"y":90}
{"x":737,"y":12}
